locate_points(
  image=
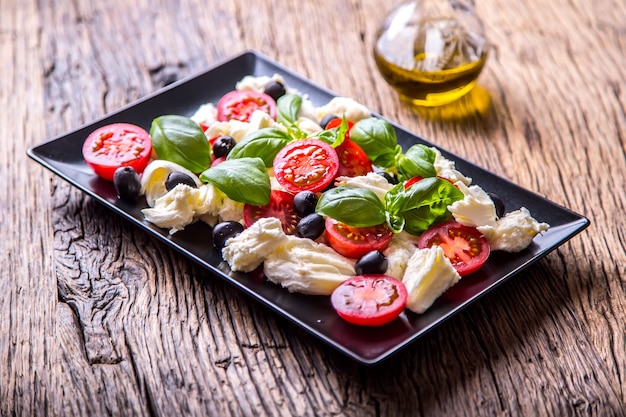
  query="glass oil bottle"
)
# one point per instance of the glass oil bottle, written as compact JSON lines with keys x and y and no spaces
{"x":431,"y":51}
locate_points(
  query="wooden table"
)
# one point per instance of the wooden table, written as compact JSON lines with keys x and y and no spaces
{"x":99,"y":318}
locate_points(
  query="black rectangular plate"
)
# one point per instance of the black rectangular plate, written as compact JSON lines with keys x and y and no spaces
{"x":62,"y":155}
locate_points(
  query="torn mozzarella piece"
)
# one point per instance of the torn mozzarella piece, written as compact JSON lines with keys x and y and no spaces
{"x":154,"y":176}
{"x":305,"y":266}
{"x":249,"y":249}
{"x":257,"y":83}
{"x":428,"y":275}
{"x":175,"y":209}
{"x":475,"y":209}
{"x":344,"y":106}
{"x":398,"y":254}
{"x":513,"y":232}
{"x":235,"y":128}
{"x":446,"y":168}
{"x":206,"y":114}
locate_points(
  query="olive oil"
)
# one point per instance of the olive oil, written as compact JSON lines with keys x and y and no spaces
{"x":429,"y":61}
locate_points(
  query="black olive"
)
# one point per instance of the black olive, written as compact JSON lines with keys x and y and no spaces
{"x":224,"y":231}
{"x":275,"y":89}
{"x":497,"y":201}
{"x":373,"y":262}
{"x":223,"y":146}
{"x":391,"y":179}
{"x":304,"y":203}
{"x":127,"y":183}
{"x":176,"y":178}
{"x":326,"y":119}
{"x":311,"y":226}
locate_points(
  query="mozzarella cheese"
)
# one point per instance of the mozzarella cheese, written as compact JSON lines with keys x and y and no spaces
{"x":175,"y":209}
{"x":446,"y":168}
{"x":513,"y":232}
{"x":183,"y":205}
{"x":297,"y":264}
{"x":154,"y":176}
{"x":249,"y":249}
{"x":260,"y":120}
{"x":344,"y":106}
{"x":250,"y":82}
{"x":308,"y":126}
{"x":235,"y":128}
{"x":207,"y":114}
{"x":308,"y":110}
{"x":305,"y":266}
{"x":428,"y":275}
{"x":476,"y":208}
{"x":398,"y":254}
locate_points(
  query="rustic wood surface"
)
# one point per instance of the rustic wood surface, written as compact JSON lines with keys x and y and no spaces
{"x":98,"y":318}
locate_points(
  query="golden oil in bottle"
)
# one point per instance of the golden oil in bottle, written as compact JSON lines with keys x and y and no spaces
{"x":428,"y":60}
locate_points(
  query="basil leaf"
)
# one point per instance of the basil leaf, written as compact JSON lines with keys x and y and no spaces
{"x":263,"y":143}
{"x":377,"y":138}
{"x":334,"y":136}
{"x":421,"y":205}
{"x":181,"y":140}
{"x":288,"y":108}
{"x":418,"y":161}
{"x":395,"y":222}
{"x":327,"y":136}
{"x":353,"y":206}
{"x":244,"y":180}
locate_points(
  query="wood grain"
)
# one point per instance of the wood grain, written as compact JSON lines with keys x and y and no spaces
{"x":97,"y":318}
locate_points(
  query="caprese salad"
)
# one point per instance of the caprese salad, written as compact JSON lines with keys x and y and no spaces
{"x":322,"y":200}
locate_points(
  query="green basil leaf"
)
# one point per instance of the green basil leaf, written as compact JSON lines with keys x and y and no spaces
{"x":288,"y":108}
{"x":334,"y":136}
{"x":395,"y":222}
{"x":353,"y":206}
{"x":417,"y":161}
{"x":263,"y":143}
{"x":244,"y":180}
{"x":423,"y":204}
{"x":327,"y":136}
{"x":377,"y":138}
{"x":181,"y":140}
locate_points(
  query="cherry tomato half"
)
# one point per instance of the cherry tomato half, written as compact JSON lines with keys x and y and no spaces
{"x":353,"y":161}
{"x":354,"y":242}
{"x":412,"y":181}
{"x":369,"y":300}
{"x":120,"y":144}
{"x":306,"y":165}
{"x":280,"y":207}
{"x":464,"y":246}
{"x":240,"y":104}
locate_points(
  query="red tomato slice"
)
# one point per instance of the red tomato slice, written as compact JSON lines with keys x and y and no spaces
{"x":412,"y":181}
{"x":218,"y":161}
{"x":369,"y":300}
{"x":280,"y":207}
{"x":353,"y":161}
{"x":306,"y":165}
{"x":120,"y":144}
{"x":240,"y":104}
{"x":464,"y":246}
{"x":354,"y":242}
